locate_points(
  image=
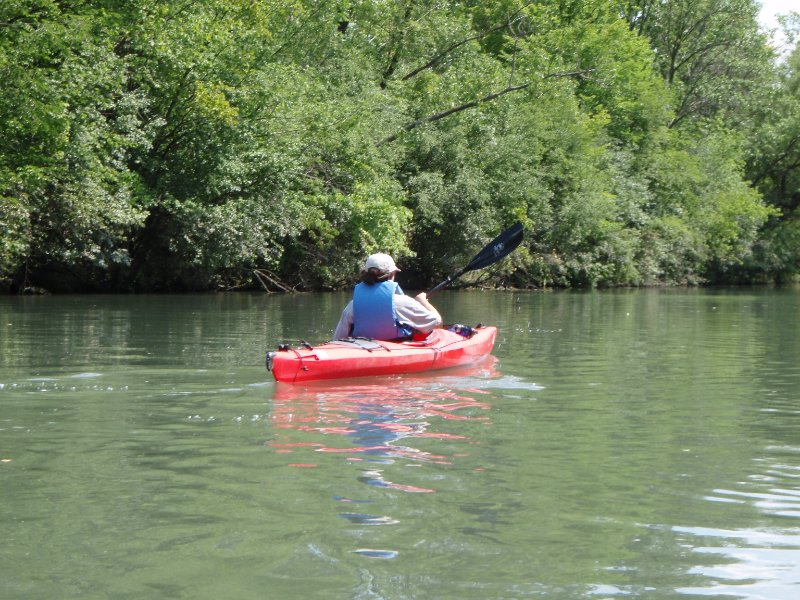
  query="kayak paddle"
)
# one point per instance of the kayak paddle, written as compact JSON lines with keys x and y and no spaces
{"x":500,"y":247}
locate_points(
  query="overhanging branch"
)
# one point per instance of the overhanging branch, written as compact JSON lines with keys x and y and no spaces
{"x":462,"y":107}
{"x":478,"y":36}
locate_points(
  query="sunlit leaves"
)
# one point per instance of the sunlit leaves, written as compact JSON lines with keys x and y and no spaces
{"x":179,"y":145}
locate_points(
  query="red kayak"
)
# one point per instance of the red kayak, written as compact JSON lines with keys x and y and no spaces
{"x":359,"y":357}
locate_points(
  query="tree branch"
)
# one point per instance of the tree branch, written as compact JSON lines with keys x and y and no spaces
{"x":438,"y":58}
{"x":787,"y":152}
{"x":394,"y":59}
{"x":456,"y":109}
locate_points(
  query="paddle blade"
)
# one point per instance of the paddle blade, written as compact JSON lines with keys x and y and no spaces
{"x":503,"y":245}
{"x":500,"y":247}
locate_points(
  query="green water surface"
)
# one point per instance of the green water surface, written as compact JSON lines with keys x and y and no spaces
{"x":631,"y":444}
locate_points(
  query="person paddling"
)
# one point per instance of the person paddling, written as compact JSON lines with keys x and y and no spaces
{"x":379,"y":308}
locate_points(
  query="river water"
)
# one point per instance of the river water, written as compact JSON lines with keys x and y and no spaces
{"x":628,"y":444}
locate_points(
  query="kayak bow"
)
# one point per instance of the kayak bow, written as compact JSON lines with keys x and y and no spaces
{"x":360,"y":357}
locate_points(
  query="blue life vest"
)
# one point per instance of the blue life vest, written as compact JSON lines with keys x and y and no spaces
{"x":374,"y":315}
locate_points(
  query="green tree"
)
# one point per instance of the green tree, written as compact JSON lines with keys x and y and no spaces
{"x":711,"y":52}
{"x":68,"y":199}
{"x":773,"y":165}
{"x":181,"y":145}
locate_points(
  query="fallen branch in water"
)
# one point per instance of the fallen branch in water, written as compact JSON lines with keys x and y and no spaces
{"x":265,"y":276}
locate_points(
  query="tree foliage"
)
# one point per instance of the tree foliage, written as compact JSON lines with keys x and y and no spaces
{"x":181,"y":145}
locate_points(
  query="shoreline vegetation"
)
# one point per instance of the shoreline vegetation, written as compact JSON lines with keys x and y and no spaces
{"x":262,"y":145}
{"x":793,"y":283}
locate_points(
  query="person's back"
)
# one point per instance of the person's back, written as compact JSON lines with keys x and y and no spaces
{"x":380,"y":310}
{"x":374,"y":314}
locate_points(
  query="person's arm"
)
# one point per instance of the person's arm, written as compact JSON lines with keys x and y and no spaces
{"x":345,"y":325}
{"x":418,"y":312}
{"x":422,"y":298}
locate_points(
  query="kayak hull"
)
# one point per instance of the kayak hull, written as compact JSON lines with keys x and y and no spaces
{"x":442,"y":349}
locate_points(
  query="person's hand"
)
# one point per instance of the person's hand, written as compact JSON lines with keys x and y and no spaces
{"x":422,"y":298}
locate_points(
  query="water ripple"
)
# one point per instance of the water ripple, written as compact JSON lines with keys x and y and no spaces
{"x":363,"y":519}
{"x":371,"y":553}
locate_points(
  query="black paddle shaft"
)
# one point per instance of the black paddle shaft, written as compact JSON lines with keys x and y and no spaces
{"x":500,"y":247}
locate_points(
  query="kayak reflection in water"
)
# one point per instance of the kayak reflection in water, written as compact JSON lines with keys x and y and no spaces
{"x":378,"y":426}
{"x":377,"y":421}
{"x":379,"y":308}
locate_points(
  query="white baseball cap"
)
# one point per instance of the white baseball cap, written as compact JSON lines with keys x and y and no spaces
{"x":382,"y":262}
